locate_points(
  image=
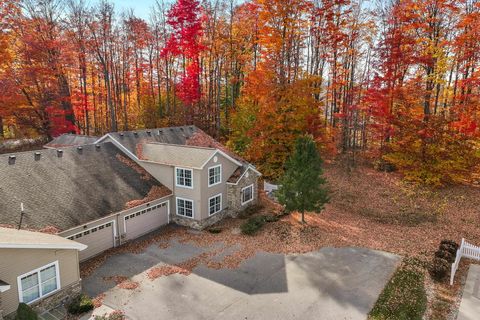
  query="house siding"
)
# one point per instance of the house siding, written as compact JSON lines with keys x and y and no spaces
{"x":21,"y":261}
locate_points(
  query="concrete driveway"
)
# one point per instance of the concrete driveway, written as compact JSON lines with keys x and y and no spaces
{"x":332,"y":283}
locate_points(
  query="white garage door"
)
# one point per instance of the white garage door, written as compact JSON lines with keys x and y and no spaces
{"x":98,"y":239}
{"x":144,"y":221}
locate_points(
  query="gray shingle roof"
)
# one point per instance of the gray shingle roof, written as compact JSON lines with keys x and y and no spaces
{"x":62,"y":192}
{"x":69,"y":140}
{"x":185,"y":135}
{"x":172,"y":135}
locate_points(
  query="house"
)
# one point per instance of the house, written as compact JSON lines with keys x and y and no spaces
{"x":36,"y":268}
{"x":124,"y":185}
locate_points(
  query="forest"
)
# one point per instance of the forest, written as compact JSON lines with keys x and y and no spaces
{"x":396,"y":82}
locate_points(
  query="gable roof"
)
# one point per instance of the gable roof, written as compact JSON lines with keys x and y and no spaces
{"x":22,"y":239}
{"x":176,"y":155}
{"x":61,"y":190}
{"x":172,"y":135}
{"x":70,"y":140}
{"x":190,"y":136}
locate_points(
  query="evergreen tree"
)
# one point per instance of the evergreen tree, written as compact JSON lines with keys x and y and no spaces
{"x":303,"y":185}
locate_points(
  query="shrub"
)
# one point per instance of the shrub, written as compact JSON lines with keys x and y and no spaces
{"x":80,"y":304}
{"x":443,"y":254}
{"x":214,"y":230}
{"x":450,"y":246}
{"x":439,"y":268}
{"x":271,"y":218}
{"x":252,"y":225}
{"x":403,"y":298}
{"x":25,"y":312}
{"x":249,"y":211}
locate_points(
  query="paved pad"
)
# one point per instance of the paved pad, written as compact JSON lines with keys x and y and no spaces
{"x":332,"y":283}
{"x":470,"y":304}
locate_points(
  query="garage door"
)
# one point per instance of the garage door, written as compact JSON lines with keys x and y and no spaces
{"x":144,"y":221}
{"x":98,"y":239}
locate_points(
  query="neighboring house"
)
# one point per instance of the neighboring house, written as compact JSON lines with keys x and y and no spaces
{"x":70,"y":140}
{"x":36,"y":268}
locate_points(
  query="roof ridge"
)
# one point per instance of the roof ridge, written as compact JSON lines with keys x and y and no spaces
{"x":179,"y":145}
{"x":192,"y":126}
{"x":52,"y":150}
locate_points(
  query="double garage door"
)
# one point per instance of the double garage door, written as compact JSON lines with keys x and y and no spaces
{"x":102,"y":237}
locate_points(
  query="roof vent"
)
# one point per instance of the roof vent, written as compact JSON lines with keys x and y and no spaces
{"x":37,"y":156}
{"x":121,"y":134}
{"x":79,"y":149}
{"x":171,"y":129}
{"x":97,"y":146}
{"x":149,"y":132}
{"x":135,"y":133}
{"x":11,"y":159}
{"x":181,"y":128}
{"x":59,"y":153}
{"x":160,"y":131}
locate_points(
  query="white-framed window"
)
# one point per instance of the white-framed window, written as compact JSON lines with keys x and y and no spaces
{"x":214,"y":175}
{"x":184,"y":177}
{"x":247,"y":194}
{"x":38,"y":283}
{"x":215,"y":204}
{"x":185,"y":207}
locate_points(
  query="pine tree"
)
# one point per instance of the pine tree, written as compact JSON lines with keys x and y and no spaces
{"x":303,"y":185}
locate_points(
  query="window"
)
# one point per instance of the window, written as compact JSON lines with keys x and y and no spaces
{"x":185,"y":208}
{"x":214,"y":175}
{"x":38,"y":283}
{"x":215,"y":204}
{"x":247,"y":194}
{"x":184,"y":177}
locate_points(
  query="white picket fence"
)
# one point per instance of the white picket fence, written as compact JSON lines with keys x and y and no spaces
{"x":466,"y":250}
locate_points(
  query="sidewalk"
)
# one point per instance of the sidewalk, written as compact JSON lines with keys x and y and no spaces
{"x":470,"y":304}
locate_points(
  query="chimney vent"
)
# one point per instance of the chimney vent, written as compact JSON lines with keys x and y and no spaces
{"x":11,"y":159}
{"x":59,"y":153}
{"x":37,"y":156}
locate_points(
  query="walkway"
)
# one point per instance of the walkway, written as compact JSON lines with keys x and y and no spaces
{"x":470,"y":305}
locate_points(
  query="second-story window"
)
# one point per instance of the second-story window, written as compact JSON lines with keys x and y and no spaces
{"x":214,"y":175}
{"x":184,"y":177}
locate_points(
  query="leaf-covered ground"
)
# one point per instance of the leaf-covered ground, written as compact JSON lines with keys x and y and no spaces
{"x":367,"y":209}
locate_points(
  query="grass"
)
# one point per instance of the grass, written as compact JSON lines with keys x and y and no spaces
{"x":404,"y":296}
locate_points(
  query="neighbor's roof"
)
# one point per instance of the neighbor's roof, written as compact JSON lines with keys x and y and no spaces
{"x":22,"y":239}
{"x":176,"y":155}
{"x":132,"y":141}
{"x":70,"y":140}
{"x":60,"y":192}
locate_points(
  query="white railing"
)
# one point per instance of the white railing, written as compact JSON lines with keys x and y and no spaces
{"x":466,"y":250}
{"x":269,"y":188}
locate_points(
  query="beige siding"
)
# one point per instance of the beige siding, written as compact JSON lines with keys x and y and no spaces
{"x":15,"y":262}
{"x":163,"y":173}
{"x":228,"y":167}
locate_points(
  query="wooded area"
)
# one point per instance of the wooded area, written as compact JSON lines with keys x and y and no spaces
{"x":395,"y":80}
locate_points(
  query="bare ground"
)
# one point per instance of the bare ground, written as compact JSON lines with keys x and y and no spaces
{"x":367,"y":209}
